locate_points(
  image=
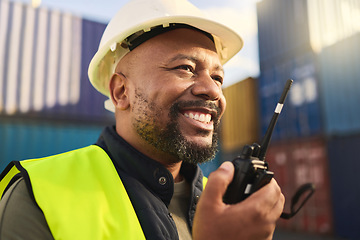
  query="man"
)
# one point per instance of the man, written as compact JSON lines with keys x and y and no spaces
{"x":163,"y":75}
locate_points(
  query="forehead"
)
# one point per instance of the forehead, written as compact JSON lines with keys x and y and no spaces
{"x":179,"y":44}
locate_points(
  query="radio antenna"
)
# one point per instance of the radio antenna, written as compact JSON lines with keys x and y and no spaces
{"x":267,"y":137}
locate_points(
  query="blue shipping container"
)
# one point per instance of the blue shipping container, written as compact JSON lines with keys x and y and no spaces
{"x":344,"y":164}
{"x":282,"y":28}
{"x":340,"y":86}
{"x":301,"y":116}
{"x":44,"y":57}
{"x":22,"y":139}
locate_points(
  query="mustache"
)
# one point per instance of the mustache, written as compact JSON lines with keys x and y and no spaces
{"x":176,"y":107}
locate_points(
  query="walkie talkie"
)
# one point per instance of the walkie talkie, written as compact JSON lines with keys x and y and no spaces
{"x":251,"y":170}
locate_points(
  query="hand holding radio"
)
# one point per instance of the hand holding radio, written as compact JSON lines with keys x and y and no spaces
{"x":255,"y":218}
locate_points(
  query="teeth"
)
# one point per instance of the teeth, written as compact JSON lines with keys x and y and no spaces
{"x":206,"y":118}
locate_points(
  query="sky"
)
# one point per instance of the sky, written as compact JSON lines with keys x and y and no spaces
{"x":238,"y":14}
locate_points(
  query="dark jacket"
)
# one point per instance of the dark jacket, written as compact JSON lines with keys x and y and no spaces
{"x":150,"y":185}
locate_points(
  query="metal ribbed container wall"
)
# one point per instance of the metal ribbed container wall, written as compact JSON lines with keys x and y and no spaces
{"x":331,"y":21}
{"x":44,"y":56}
{"x":295,"y":163}
{"x":344,"y":164}
{"x":340,"y":86}
{"x":301,"y":115}
{"x":282,"y":28}
{"x":24,"y":139}
{"x":240,"y":123}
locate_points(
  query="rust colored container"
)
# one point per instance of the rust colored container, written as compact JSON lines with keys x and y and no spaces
{"x":298,"y":162}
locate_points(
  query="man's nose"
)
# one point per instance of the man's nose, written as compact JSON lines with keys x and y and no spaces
{"x":207,"y":88}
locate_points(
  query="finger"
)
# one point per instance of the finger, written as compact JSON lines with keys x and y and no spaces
{"x":218,"y":181}
{"x":271,"y":190}
{"x":271,"y":198}
{"x":279,"y":205}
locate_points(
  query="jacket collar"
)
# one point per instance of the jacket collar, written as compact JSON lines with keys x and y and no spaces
{"x":152,"y":174}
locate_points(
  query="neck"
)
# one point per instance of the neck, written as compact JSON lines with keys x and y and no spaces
{"x":174,"y":168}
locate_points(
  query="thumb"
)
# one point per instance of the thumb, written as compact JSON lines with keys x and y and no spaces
{"x":218,"y":181}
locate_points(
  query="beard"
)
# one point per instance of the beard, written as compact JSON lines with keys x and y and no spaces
{"x":169,"y":138}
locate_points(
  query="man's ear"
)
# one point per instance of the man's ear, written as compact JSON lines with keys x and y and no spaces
{"x":118,"y":91}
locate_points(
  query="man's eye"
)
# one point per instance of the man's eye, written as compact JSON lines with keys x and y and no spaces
{"x":185,"y":67}
{"x":218,"y":78}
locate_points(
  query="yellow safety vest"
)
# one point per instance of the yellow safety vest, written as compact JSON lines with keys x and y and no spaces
{"x":81,"y":195}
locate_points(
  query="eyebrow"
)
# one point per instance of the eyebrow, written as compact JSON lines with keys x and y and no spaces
{"x":192,"y":59}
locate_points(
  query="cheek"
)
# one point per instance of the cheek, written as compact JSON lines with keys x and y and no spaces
{"x":169,"y":92}
{"x":222,"y":103}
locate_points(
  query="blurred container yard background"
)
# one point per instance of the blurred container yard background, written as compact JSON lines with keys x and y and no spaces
{"x":48,"y":106}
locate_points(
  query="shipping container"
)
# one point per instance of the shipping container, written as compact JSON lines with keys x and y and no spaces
{"x":295,"y":163}
{"x":339,"y":75}
{"x":287,"y":26}
{"x":240,"y":123}
{"x":282,"y":28}
{"x":25,"y":139}
{"x":44,"y":56}
{"x":344,"y":164}
{"x":301,"y":115}
{"x":331,"y":21}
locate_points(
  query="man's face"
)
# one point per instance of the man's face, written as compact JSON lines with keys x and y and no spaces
{"x":175,"y":95}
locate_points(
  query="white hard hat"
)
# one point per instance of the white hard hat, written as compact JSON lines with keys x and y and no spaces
{"x":141,"y":16}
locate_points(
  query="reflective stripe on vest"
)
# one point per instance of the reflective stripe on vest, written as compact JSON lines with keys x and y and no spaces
{"x":82,"y":196}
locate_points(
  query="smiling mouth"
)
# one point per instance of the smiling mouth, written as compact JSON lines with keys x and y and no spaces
{"x":206,"y":114}
{"x":201,"y":117}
